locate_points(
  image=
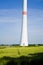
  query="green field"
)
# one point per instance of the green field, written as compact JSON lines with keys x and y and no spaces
{"x":12,"y":52}
{"x":19,"y":51}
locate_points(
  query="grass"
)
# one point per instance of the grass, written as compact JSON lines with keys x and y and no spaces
{"x":17,"y":52}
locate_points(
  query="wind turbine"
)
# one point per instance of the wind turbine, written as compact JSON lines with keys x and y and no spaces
{"x":24,"y":36}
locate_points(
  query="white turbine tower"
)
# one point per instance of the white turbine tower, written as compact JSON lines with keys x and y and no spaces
{"x":24,"y":37}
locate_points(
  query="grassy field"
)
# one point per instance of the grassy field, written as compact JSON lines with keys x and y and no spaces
{"x":11,"y":52}
{"x":19,"y":51}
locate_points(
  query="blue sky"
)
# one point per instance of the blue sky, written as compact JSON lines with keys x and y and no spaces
{"x":11,"y":21}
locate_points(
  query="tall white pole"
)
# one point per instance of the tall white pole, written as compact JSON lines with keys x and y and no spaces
{"x":24,"y":37}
